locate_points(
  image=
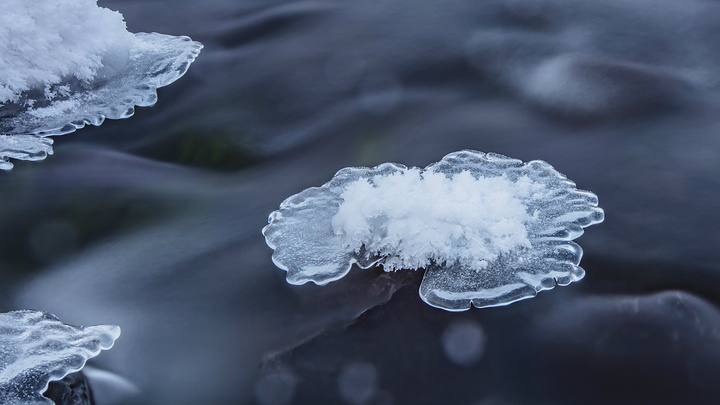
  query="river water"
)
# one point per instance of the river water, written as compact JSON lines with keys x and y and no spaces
{"x":153,"y":223}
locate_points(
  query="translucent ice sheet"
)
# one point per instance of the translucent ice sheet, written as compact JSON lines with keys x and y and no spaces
{"x":23,"y":147}
{"x":154,"y":60}
{"x":309,"y":248}
{"x":37,"y":348}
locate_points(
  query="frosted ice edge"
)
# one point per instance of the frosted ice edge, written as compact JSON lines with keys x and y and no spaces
{"x":155,"y":60}
{"x":288,"y":252}
{"x":455,"y":289}
{"x":552,"y":259}
{"x":23,"y":147}
{"x":307,"y":248}
{"x":38,"y":348}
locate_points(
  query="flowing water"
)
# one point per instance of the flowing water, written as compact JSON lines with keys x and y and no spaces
{"x":153,"y":223}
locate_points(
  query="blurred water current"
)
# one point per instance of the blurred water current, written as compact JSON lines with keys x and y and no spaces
{"x":153,"y":223}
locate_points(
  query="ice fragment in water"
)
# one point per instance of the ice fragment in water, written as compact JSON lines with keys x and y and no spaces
{"x":488,"y":229}
{"x":24,"y":147}
{"x":68,"y":63}
{"x":37,"y":348}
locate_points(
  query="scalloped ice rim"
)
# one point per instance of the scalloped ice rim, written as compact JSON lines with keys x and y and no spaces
{"x":557,"y":240}
{"x":94,"y":353}
{"x":110,"y":331}
{"x":167,"y":58}
{"x":573,"y":229}
{"x":518,"y":292}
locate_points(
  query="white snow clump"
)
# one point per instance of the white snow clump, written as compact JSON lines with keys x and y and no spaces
{"x":489,"y":230}
{"x":415,"y":219}
{"x":42,"y":42}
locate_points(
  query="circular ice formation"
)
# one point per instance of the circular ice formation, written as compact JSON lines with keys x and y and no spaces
{"x":488,"y":229}
{"x":37,"y":348}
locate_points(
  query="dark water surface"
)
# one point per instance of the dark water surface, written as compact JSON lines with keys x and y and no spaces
{"x":153,"y":223}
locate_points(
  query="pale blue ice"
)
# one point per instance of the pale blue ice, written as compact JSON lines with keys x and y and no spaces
{"x":481,"y":251}
{"x":36,"y":348}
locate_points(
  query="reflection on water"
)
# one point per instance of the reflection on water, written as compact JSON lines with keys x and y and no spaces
{"x":154,"y":223}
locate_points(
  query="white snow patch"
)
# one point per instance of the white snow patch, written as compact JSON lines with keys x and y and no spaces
{"x":42,"y":42}
{"x":414,"y":218}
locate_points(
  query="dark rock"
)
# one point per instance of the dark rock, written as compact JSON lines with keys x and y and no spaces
{"x":74,"y":389}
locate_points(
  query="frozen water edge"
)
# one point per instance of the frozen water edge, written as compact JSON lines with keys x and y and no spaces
{"x":310,"y":250}
{"x":154,"y":61}
{"x":37,"y":348}
{"x":23,"y":147}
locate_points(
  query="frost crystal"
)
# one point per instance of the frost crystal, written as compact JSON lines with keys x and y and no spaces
{"x":416,"y":218}
{"x":68,"y":63}
{"x":488,"y":229}
{"x":41,"y":42}
{"x":37,"y":348}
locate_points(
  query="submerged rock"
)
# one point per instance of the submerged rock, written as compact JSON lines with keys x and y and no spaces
{"x":73,"y":389}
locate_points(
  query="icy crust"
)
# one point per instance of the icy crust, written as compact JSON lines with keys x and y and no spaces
{"x":37,"y":348}
{"x":477,"y":265}
{"x":128,"y":80}
{"x":43,"y":41}
{"x":23,"y":147}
